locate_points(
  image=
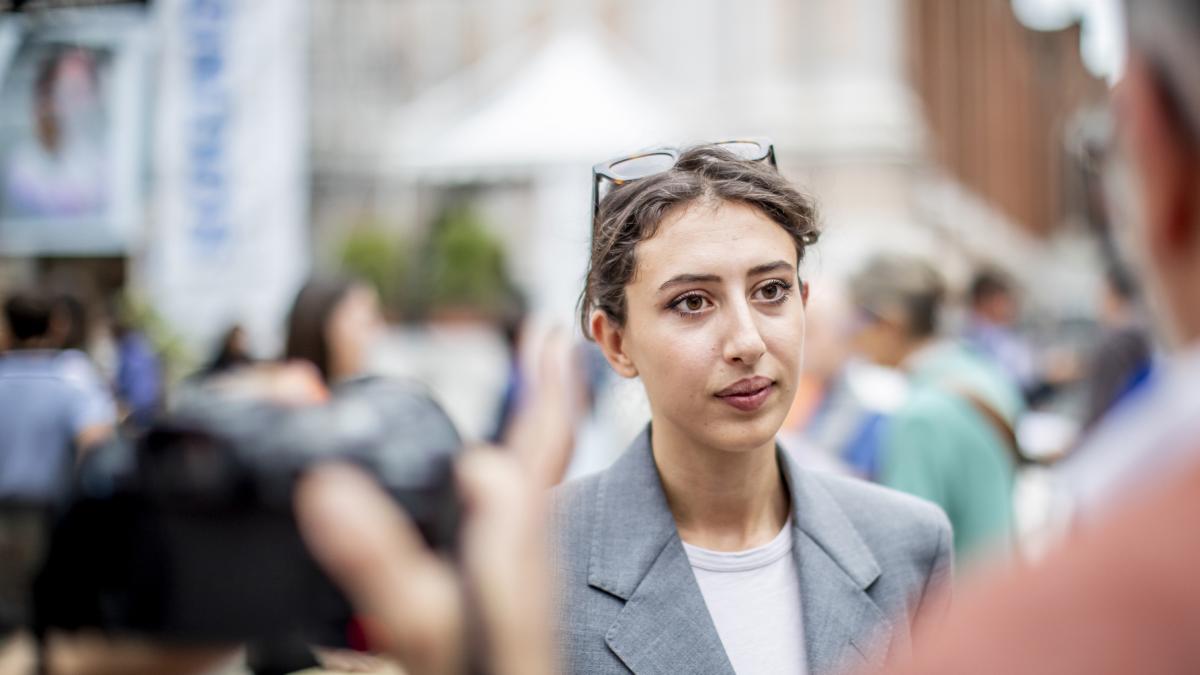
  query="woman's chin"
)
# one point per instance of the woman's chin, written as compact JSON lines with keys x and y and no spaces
{"x":746,"y":435}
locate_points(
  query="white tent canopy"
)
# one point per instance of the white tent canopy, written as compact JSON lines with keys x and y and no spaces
{"x":573,"y":102}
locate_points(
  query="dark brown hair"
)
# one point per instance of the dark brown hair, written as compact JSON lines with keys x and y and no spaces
{"x":632,"y":212}
{"x":28,"y":314}
{"x":308,"y":322}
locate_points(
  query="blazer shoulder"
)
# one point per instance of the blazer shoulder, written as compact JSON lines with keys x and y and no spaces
{"x":574,"y":498}
{"x":885,"y":517}
{"x":573,"y":513}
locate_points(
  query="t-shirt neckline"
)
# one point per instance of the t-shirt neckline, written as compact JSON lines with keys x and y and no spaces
{"x":742,"y":561}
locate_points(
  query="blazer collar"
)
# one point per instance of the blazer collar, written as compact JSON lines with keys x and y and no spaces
{"x":843,"y":627}
{"x":636,"y":555}
{"x":665,"y":626}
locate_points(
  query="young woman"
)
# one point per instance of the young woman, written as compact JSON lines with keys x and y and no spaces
{"x":704,"y":548}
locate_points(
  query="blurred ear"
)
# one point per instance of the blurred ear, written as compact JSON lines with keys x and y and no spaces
{"x":611,"y":339}
{"x":804,"y":293}
{"x":1163,"y":157}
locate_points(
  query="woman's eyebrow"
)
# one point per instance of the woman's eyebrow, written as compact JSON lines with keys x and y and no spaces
{"x":767,"y":268}
{"x":688,"y":279}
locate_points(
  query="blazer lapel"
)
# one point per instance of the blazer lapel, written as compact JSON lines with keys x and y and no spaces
{"x":636,"y":555}
{"x":843,"y":627}
{"x":665,"y":626}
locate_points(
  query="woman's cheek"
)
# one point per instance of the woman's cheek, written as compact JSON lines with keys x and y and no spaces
{"x":685,"y":364}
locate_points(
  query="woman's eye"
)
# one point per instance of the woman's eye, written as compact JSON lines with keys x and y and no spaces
{"x":775,"y":291}
{"x":690,"y":304}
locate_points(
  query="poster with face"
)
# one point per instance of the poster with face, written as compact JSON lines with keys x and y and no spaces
{"x":70,"y":135}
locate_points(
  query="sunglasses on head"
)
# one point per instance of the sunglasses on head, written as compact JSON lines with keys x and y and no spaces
{"x":622,"y":170}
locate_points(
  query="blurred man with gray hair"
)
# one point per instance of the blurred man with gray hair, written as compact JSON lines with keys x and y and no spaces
{"x":952,"y":440}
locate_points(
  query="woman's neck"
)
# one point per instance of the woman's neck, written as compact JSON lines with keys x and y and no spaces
{"x":721,"y":500}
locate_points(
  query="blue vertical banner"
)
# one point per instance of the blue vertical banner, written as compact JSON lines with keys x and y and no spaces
{"x":207,"y":24}
{"x":228,"y":237}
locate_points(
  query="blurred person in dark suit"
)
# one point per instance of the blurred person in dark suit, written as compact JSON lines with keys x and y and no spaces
{"x":1123,"y":358}
{"x":232,"y":352}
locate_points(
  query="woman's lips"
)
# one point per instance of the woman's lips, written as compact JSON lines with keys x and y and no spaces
{"x":748,"y":396}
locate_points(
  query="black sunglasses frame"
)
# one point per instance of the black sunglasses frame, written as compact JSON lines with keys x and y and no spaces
{"x":604,"y":170}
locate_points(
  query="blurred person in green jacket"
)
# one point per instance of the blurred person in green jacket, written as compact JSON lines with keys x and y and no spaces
{"x":952,"y":441}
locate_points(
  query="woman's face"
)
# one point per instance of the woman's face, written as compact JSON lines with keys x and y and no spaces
{"x":353,"y":326}
{"x":714,"y":325}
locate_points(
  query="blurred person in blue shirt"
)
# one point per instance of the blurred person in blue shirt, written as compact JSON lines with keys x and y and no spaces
{"x":992,"y":326}
{"x":50,"y":408}
{"x":139,"y":380}
{"x":994,"y":332}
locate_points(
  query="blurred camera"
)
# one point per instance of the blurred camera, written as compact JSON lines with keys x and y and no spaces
{"x":188,"y":534}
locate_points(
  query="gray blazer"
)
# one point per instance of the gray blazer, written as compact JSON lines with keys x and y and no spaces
{"x":867,"y":556}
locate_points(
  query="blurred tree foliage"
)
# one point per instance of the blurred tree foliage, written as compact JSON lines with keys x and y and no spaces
{"x":380,"y":258}
{"x":466,"y":266}
{"x":459,"y":267}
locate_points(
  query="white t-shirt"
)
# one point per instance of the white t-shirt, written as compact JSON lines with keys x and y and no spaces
{"x":754,"y":599}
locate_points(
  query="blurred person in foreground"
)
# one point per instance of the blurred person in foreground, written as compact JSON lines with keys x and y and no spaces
{"x":490,"y":609}
{"x":1121,"y":594}
{"x":952,"y":440}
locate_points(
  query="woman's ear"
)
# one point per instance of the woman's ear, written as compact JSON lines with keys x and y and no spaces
{"x":804,"y":292}
{"x":611,"y":339}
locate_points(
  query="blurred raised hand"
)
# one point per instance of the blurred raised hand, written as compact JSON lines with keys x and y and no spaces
{"x":543,"y":433}
{"x":494,"y":605}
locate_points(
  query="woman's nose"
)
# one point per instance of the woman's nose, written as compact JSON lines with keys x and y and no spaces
{"x":744,"y":343}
